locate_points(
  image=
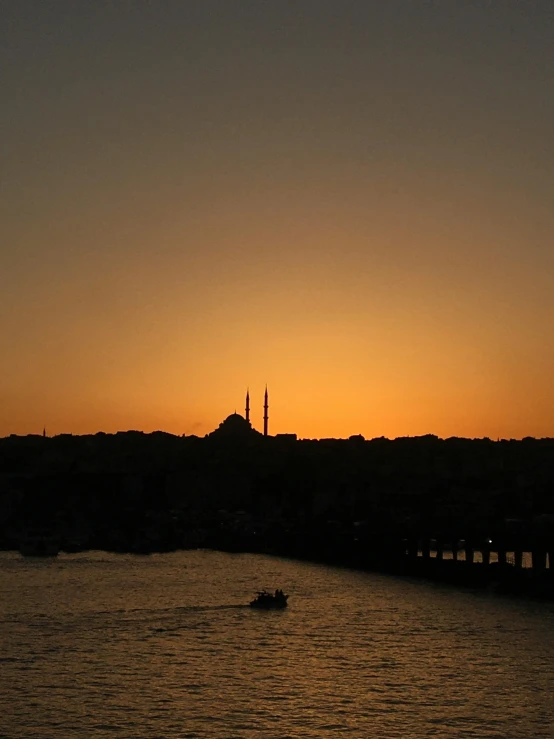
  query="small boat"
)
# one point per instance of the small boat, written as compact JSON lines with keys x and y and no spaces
{"x":269,"y":601}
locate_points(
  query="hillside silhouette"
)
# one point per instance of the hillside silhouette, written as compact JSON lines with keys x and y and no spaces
{"x":237,"y":489}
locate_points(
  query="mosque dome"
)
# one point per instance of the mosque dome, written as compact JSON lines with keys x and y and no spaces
{"x":235,"y":426}
{"x":235,"y":421}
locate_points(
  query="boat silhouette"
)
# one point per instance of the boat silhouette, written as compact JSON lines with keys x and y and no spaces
{"x":269,"y":601}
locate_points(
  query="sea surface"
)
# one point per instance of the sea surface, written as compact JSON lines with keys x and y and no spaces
{"x":102,"y":645}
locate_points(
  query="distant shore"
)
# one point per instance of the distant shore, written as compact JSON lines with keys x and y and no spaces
{"x":501,"y":579}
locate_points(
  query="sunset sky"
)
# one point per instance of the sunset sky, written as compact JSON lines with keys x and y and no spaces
{"x":349,"y":200}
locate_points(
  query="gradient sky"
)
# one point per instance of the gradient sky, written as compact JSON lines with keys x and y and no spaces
{"x":351,"y":200}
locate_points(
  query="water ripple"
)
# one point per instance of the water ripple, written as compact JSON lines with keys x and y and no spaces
{"x":120,"y":646}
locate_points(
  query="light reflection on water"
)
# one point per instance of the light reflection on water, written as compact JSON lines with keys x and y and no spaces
{"x":98,"y":645}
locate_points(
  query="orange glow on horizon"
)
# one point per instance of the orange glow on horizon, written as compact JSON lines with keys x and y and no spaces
{"x":354,"y":210}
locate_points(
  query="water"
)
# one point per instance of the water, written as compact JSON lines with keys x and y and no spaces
{"x":99,"y":645}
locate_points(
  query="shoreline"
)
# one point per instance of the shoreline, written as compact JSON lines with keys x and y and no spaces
{"x":501,"y":579}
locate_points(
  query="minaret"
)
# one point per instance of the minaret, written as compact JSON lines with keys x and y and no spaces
{"x":247,"y":409}
{"x":266,"y":408}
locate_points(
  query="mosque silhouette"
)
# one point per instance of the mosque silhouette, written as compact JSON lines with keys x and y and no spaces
{"x":238,"y":426}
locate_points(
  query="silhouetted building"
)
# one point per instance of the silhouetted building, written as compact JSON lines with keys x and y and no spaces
{"x":266,"y":412}
{"x":286,"y":437}
{"x":234,"y":426}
